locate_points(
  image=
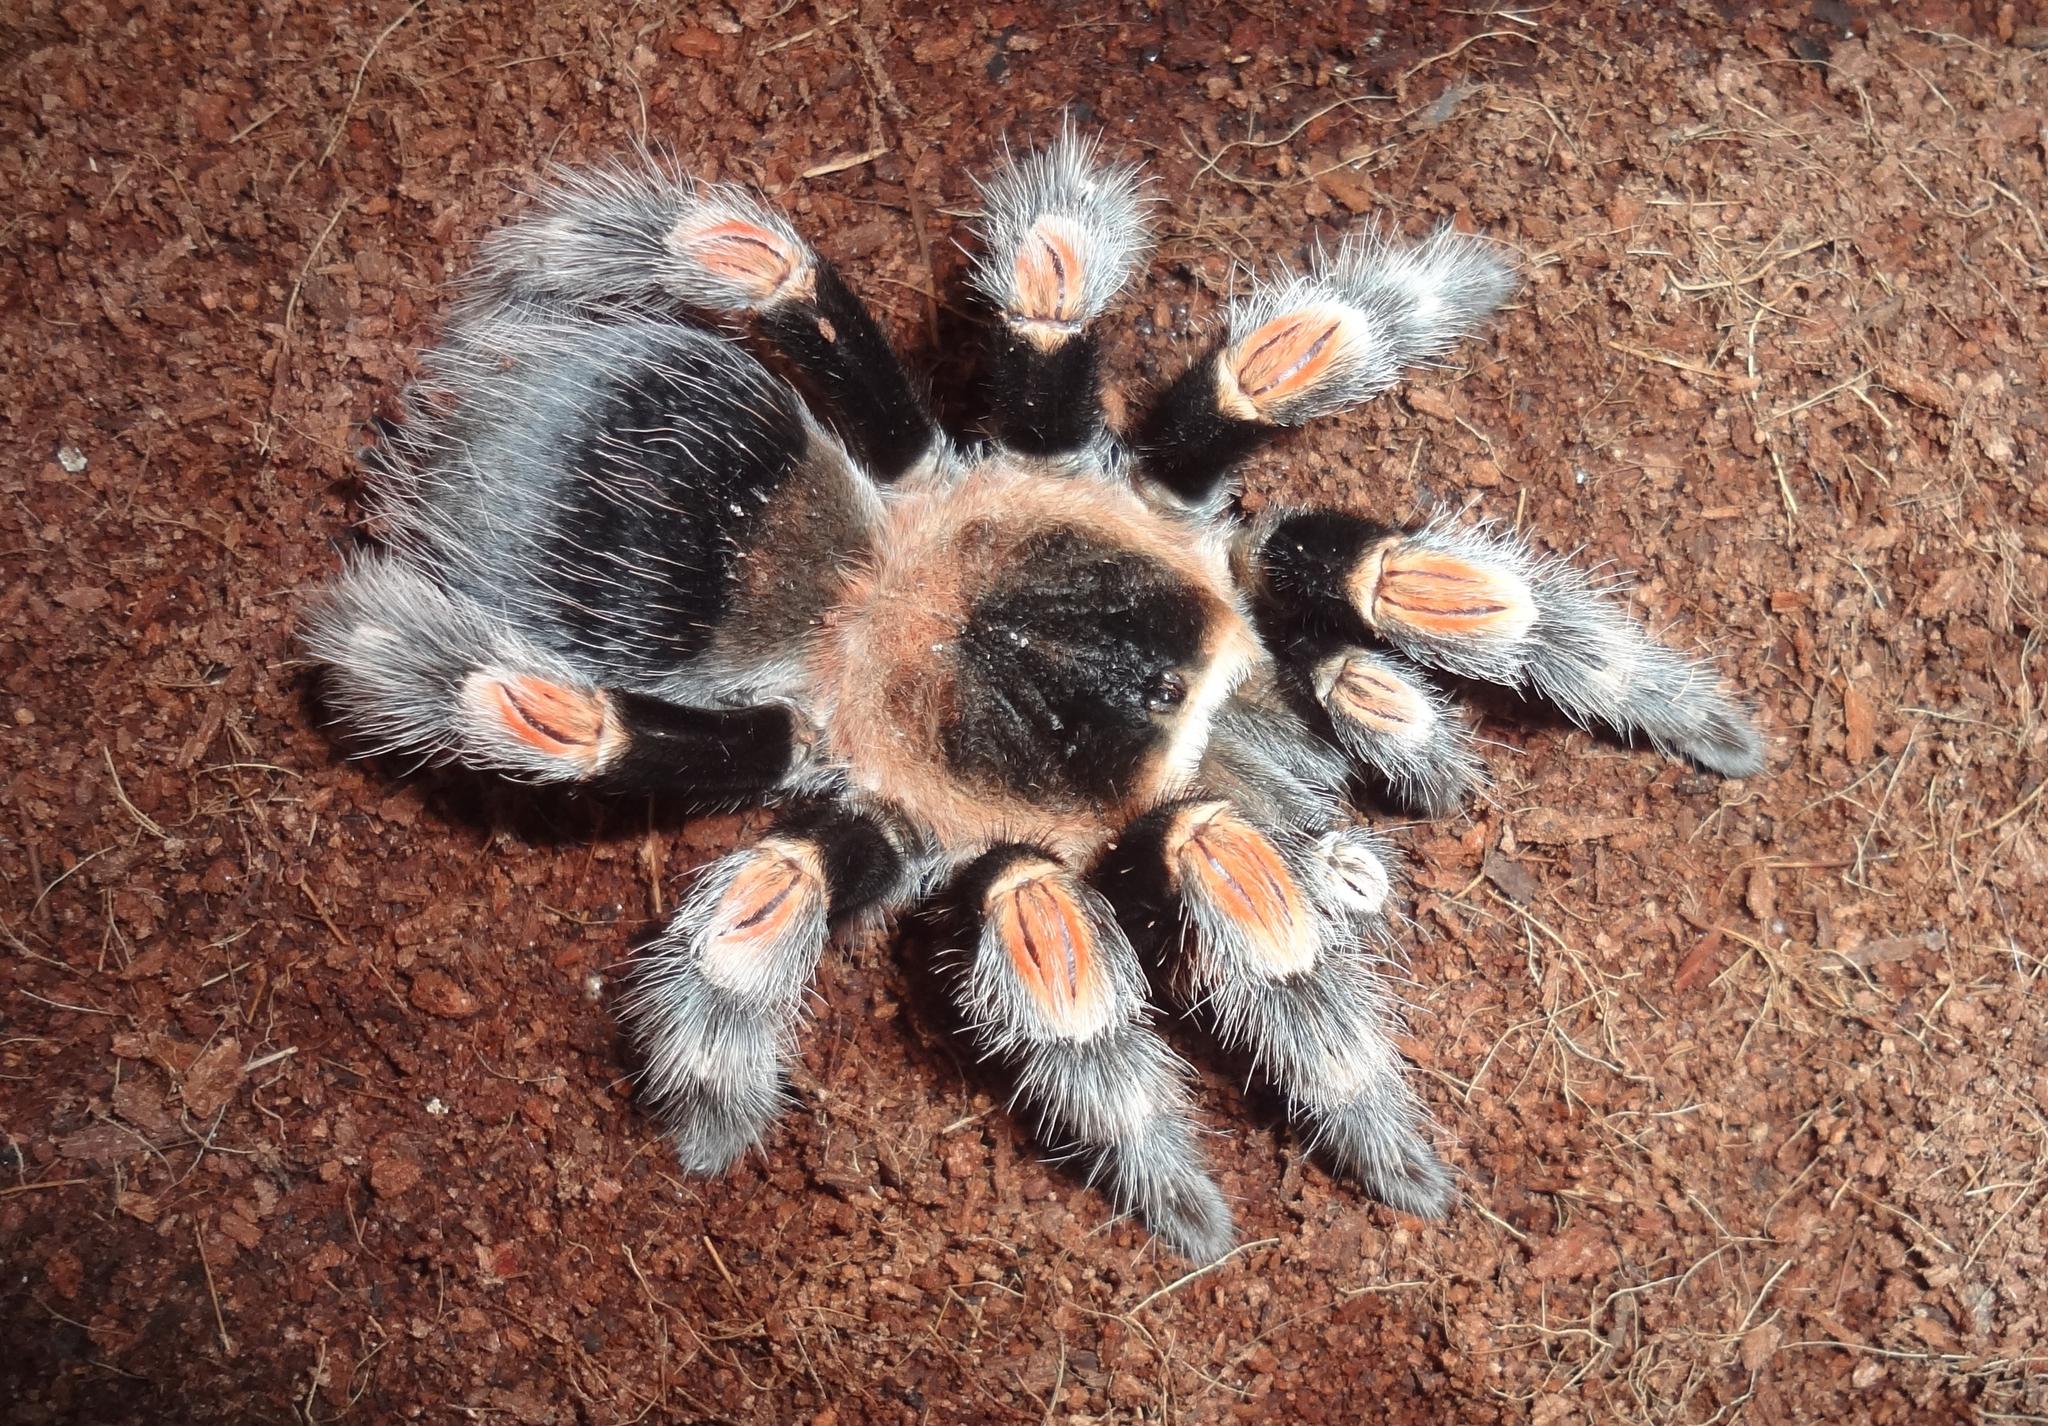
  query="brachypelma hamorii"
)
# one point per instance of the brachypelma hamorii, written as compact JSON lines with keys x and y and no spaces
{"x":1048,"y":674}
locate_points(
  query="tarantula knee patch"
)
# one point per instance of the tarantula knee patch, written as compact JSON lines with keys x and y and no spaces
{"x":1362,"y":689}
{"x":759,"y":264}
{"x":1402,"y":584}
{"x":1049,"y":281}
{"x":1035,"y":912}
{"x":550,"y":719}
{"x":1358,"y":875}
{"x":774,"y":905}
{"x":1241,"y":890}
{"x":1271,"y":373}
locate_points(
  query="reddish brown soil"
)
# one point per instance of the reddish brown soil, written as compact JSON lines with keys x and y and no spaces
{"x":312,"y":1098}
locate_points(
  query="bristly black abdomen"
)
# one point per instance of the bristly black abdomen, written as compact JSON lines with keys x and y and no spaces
{"x":1063,"y":670}
{"x":661,"y":491}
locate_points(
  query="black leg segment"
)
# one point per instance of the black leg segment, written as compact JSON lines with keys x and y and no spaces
{"x":672,"y":749}
{"x":1189,"y":444}
{"x":831,"y":339}
{"x":1044,"y":400}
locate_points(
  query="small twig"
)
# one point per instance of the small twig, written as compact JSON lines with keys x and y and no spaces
{"x":148,"y":823}
{"x":1838,"y":387}
{"x":1877,"y":815}
{"x":38,"y":1187}
{"x":1736,"y":380}
{"x":796,"y":39}
{"x":1052,"y":1398}
{"x":356,"y":90}
{"x":1186,"y":1278}
{"x":61,"y":1005}
{"x":1757,"y":1306}
{"x":256,"y":123}
{"x":844,"y":162}
{"x":227,"y":1343}
{"x":1459,"y":48}
{"x":1499,"y":1222}
{"x":878,"y":74}
{"x":281,"y":370}
{"x":2018,"y":807}
{"x":921,"y":228}
{"x":1754,"y":273}
{"x":712,"y":1248}
{"x":1784,"y":484}
{"x":312,"y":1386}
{"x":320,"y":910}
{"x":1210,"y":161}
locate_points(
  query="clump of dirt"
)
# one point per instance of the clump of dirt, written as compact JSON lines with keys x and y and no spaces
{"x":313,"y":1102}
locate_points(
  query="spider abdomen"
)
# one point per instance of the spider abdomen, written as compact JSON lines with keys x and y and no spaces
{"x":646,"y":500}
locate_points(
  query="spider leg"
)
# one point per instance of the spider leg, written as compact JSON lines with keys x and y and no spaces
{"x":1393,"y":721}
{"x":638,"y":238}
{"x":419,"y":670}
{"x":1054,"y":988}
{"x":1478,"y":602}
{"x":715,"y":1000}
{"x":1276,"y":927}
{"x":1299,"y":347}
{"x":1061,"y":233}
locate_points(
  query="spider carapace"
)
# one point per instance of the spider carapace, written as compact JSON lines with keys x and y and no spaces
{"x":1048,"y":674}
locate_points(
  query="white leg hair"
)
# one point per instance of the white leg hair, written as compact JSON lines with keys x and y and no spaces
{"x":715,"y":1001}
{"x":1055,"y":989}
{"x":1556,"y":636}
{"x":1308,"y":345}
{"x":641,"y":235}
{"x":1393,"y":720}
{"x":404,"y":657}
{"x":1058,"y":203}
{"x":1279,"y":958}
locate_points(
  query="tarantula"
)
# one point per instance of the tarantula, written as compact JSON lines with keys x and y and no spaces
{"x":1048,"y":669}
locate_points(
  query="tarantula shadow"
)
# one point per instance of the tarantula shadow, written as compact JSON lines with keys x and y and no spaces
{"x":1048,"y":674}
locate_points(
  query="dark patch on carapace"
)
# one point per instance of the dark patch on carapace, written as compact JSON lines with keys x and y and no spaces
{"x":1056,"y":667}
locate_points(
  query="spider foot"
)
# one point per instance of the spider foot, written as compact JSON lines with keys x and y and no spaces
{"x":1395,"y":722}
{"x":1062,"y":232}
{"x":419,"y":670}
{"x":1303,"y":346}
{"x":1276,"y":957}
{"x":1478,"y":602}
{"x":1055,"y":989}
{"x":715,"y":1001}
{"x":1379,"y":1147}
{"x":638,"y":235}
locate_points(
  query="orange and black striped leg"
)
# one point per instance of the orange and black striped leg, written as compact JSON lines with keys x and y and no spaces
{"x":1299,"y":347}
{"x":1054,"y":988}
{"x":1062,"y":232}
{"x":1276,"y":930}
{"x":715,"y":1001}
{"x":415,"y":669}
{"x":1477,"y":602}
{"x":623,"y":742}
{"x":630,"y":240}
